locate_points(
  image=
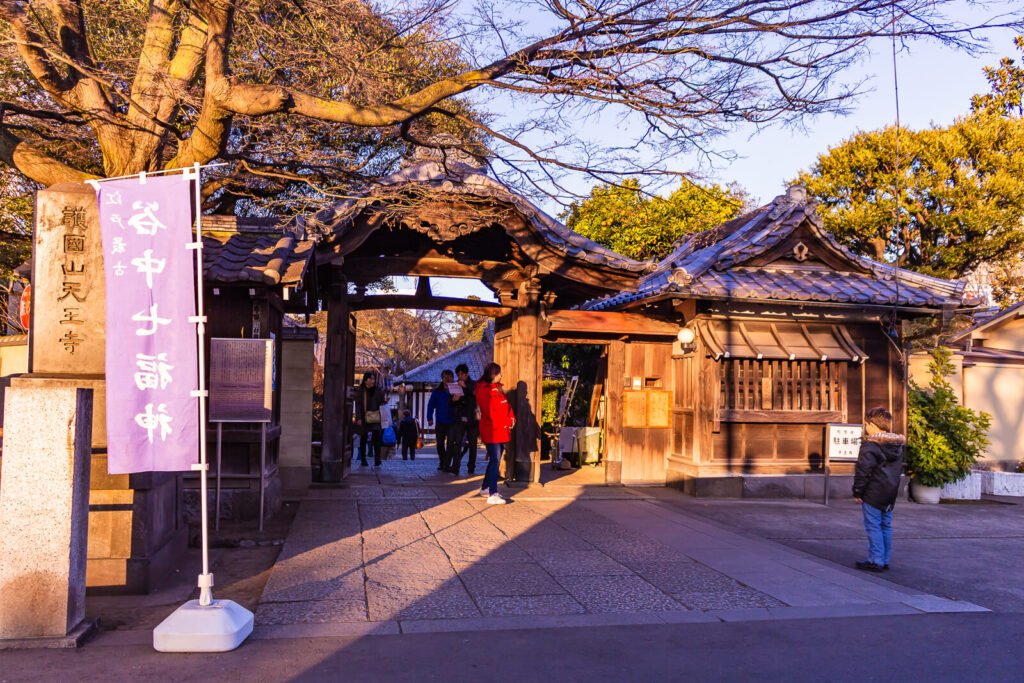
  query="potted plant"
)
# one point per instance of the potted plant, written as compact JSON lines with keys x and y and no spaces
{"x":944,"y":439}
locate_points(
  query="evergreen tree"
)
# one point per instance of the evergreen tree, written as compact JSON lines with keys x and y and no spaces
{"x":642,"y":226}
{"x":960,"y":187}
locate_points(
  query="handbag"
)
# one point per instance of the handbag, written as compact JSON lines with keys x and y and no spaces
{"x":419,"y":442}
{"x":370,"y":417}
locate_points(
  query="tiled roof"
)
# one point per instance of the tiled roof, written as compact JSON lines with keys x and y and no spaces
{"x":476,"y":355}
{"x":261,"y":251}
{"x":460,"y":179}
{"x":710,"y":264}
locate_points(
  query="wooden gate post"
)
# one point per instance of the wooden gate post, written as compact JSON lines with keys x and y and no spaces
{"x":527,"y":369}
{"x":337,"y":413}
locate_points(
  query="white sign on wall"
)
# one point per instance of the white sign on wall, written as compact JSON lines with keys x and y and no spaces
{"x":842,"y":441}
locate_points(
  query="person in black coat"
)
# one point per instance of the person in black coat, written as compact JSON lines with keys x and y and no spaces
{"x":466,"y":430}
{"x":408,"y":435}
{"x":370,"y":401}
{"x":876,"y":483}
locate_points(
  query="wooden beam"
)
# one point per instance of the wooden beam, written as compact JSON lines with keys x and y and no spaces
{"x":431,"y":264}
{"x":433,"y":303}
{"x":783,"y":416}
{"x":609,"y":322}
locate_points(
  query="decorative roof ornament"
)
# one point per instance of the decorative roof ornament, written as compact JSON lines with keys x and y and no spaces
{"x":680,"y":277}
{"x":447,"y":150}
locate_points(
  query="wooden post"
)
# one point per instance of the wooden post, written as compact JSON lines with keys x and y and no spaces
{"x":613,"y":413}
{"x":336,"y":381}
{"x":526,"y":362}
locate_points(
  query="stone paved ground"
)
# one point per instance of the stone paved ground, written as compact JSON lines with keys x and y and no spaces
{"x":967,"y":550}
{"x":410,"y":547}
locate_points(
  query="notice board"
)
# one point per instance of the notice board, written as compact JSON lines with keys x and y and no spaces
{"x":842,"y":441}
{"x":241,"y":376}
{"x":651,"y":408}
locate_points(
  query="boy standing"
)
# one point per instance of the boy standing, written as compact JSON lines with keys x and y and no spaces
{"x":876,"y":484}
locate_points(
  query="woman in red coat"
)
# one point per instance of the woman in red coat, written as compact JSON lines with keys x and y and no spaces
{"x":496,"y":423}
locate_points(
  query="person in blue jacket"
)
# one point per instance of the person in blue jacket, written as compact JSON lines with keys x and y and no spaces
{"x":441,"y":416}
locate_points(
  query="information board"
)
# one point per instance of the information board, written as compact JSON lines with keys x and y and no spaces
{"x":842,"y":441}
{"x":651,"y":408}
{"x":241,"y":374}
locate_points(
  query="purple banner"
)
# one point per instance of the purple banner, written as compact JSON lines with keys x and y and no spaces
{"x":152,"y":366}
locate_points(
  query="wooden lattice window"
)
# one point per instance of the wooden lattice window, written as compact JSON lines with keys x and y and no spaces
{"x":791,"y":385}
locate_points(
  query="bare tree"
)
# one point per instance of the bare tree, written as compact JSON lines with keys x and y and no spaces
{"x":309,"y":97}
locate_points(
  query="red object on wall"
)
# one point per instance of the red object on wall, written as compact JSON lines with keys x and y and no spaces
{"x":25,"y":309}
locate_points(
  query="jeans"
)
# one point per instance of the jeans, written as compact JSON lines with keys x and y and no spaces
{"x":494,"y":452}
{"x":467,"y":433}
{"x":878,"y":525}
{"x":444,"y":446}
{"x":408,"y":450}
{"x":373,"y":439}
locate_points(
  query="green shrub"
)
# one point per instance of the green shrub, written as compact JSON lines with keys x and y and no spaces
{"x":551,"y":389}
{"x":944,"y":439}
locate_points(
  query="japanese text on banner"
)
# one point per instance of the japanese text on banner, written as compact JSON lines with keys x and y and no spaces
{"x":151,"y":355}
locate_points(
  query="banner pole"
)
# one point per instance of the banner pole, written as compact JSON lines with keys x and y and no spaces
{"x":203,"y":625}
{"x":205,"y":579}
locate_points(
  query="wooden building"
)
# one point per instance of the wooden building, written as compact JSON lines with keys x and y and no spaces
{"x":785,"y":330}
{"x":790,"y":331}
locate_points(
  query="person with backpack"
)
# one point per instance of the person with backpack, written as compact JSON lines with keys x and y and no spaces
{"x":389,"y":432}
{"x":439,"y":415}
{"x":409,"y":436}
{"x":876,"y":483}
{"x":465,"y":433}
{"x":369,"y":405}
{"x":496,"y":423}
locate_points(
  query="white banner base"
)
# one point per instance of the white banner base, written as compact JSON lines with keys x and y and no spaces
{"x":219,"y":627}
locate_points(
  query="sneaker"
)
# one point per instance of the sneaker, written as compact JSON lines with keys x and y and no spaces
{"x":496,"y":499}
{"x":484,"y":492}
{"x":885,"y":567}
{"x":869,"y":567}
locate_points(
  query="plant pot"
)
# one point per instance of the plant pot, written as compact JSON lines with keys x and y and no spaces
{"x":927,"y":495}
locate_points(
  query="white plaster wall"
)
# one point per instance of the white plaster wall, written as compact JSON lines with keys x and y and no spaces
{"x":13,"y":360}
{"x":998,"y":391}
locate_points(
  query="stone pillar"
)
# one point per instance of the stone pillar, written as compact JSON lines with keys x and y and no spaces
{"x":136,"y":527}
{"x":527,"y":366}
{"x":294,"y":456}
{"x":337,"y":405}
{"x":44,"y":507}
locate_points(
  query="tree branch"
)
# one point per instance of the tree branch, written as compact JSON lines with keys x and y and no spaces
{"x":35,"y":164}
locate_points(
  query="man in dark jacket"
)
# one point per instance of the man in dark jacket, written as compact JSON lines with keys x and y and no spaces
{"x":466,"y":430}
{"x":876,"y":483}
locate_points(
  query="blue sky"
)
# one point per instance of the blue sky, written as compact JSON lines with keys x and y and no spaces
{"x":935,"y":83}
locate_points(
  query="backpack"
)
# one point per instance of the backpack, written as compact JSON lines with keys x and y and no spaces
{"x":388,"y":438}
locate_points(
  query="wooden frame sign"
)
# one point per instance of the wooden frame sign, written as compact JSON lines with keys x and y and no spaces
{"x":648,"y":408}
{"x":241,"y":373}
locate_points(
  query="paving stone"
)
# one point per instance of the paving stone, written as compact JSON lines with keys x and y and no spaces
{"x":409,"y":492}
{"x":529,"y":605}
{"x":311,"y":612}
{"x":579,"y":563}
{"x":550,"y":537}
{"x":512,"y":579}
{"x":639,"y":550}
{"x":449,"y":601}
{"x":681,"y":576}
{"x":603,"y":594}
{"x":738,"y":597}
{"x":313,"y":583}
